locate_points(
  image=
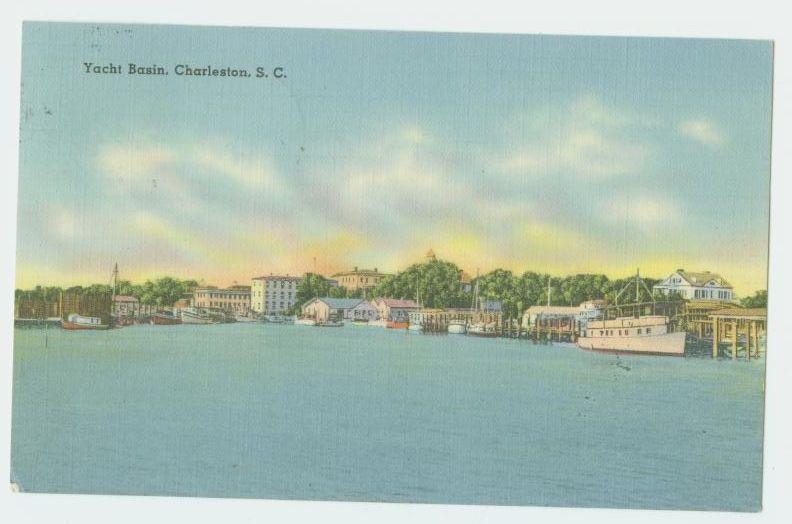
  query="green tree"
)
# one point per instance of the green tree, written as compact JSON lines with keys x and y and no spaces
{"x":313,"y":285}
{"x":434,"y":284}
{"x":501,"y":285}
{"x":757,"y":300}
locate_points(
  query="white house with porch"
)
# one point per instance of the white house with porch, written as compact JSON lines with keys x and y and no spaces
{"x":696,"y":286}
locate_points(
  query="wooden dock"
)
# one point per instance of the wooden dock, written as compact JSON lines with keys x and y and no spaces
{"x":437,"y":321}
{"x":740,"y":329}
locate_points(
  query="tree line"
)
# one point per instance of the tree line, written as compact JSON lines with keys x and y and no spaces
{"x":159,"y":292}
{"x":436,"y":284}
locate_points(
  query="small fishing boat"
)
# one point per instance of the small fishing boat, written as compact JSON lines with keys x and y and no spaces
{"x":397,"y":324}
{"x":305,"y":322}
{"x":164,"y":319}
{"x":243,"y":318}
{"x":274,"y":319}
{"x":75,"y":321}
{"x":457,"y":327}
{"x":360,"y":322}
{"x":482,"y":330}
{"x":193,"y":315}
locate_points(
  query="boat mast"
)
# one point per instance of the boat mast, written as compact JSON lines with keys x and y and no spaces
{"x":475,"y":292}
{"x":113,"y":294}
{"x":549,"y":289}
{"x":115,"y":278}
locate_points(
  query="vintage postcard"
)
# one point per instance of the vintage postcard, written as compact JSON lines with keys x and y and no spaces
{"x":392,"y":266}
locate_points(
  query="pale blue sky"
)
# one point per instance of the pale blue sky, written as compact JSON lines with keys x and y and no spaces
{"x":558,"y":154}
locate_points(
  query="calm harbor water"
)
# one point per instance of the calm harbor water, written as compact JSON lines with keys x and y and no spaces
{"x":359,"y":413}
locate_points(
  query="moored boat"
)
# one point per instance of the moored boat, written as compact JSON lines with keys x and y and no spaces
{"x":305,"y":322}
{"x":193,"y":315}
{"x":164,"y":319}
{"x":482,"y":330}
{"x":415,"y":327}
{"x":648,"y":335}
{"x":380,"y":322}
{"x":75,"y":321}
{"x":330,"y":323}
{"x":457,"y":327}
{"x":397,"y":324}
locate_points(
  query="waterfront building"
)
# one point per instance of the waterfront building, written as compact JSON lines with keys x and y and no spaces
{"x":323,"y":309}
{"x":234,"y":299}
{"x":535,"y":313}
{"x":394,"y":309}
{"x":273,"y":294}
{"x":125,"y":306}
{"x":183,"y":303}
{"x":359,"y":278}
{"x":696,"y":286}
{"x":575,"y":315}
{"x":490,"y":306}
{"x":365,"y":310}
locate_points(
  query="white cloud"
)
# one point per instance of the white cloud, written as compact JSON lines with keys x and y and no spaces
{"x":586,"y":139}
{"x":252,"y":170}
{"x":134,"y":160}
{"x":702,"y":131}
{"x":137,"y":162}
{"x":644,"y":211}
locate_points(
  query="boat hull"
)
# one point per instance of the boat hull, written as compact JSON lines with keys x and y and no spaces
{"x":190,"y":318}
{"x":672,"y":344}
{"x":482,"y":334}
{"x":397,"y":325}
{"x":163,"y":320}
{"x":305,"y":322}
{"x":65,"y":324}
{"x":329,"y":324}
{"x":456,"y":329}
